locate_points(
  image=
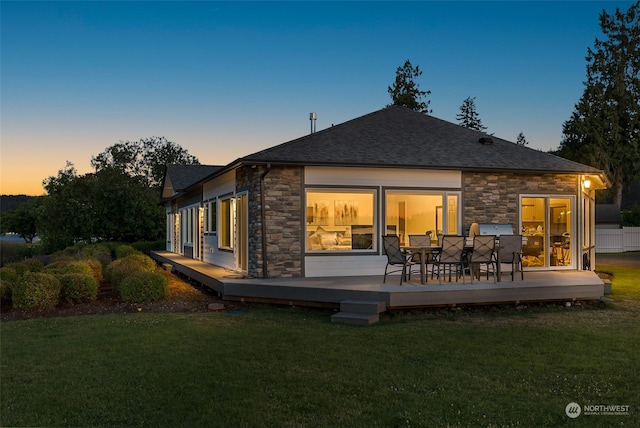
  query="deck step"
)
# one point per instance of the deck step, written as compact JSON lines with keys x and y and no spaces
{"x":355,"y":318}
{"x":359,"y":312}
{"x":363,"y":306}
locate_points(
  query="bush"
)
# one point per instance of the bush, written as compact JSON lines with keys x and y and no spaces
{"x":146,"y":247}
{"x":8,"y":273}
{"x":44,"y":258}
{"x":34,"y":264}
{"x":96,"y":267}
{"x":100,"y":252}
{"x":119,"y":269}
{"x":631,"y":218}
{"x":5,"y":290}
{"x":20,"y":268}
{"x":124,"y":250}
{"x":36,"y":290}
{"x":144,"y":286}
{"x":70,"y":266}
{"x":78,"y":287}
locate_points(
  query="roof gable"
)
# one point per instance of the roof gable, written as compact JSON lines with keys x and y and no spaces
{"x":178,"y":178}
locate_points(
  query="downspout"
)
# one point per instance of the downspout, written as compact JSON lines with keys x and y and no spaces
{"x":263,"y":221}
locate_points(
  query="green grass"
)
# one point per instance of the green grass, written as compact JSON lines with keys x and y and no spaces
{"x":279,"y":367}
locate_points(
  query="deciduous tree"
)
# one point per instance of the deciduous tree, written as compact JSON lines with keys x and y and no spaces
{"x":145,"y":159}
{"x":22,"y":220}
{"x":106,"y":205}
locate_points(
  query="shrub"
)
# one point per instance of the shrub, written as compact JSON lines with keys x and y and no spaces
{"x":5,"y":290}
{"x":100,"y":252}
{"x":36,"y":290}
{"x":145,"y":247}
{"x":631,"y":218}
{"x":34,"y":264}
{"x":66,"y":266}
{"x":95,"y":266}
{"x":119,"y":269}
{"x":144,"y":286}
{"x":20,"y":268}
{"x":44,"y":258}
{"x":124,"y":250}
{"x":8,"y":273}
{"x":78,"y":287}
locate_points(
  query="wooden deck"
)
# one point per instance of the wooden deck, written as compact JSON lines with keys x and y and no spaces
{"x":537,"y":286}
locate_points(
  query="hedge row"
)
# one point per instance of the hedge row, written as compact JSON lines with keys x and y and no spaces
{"x":74,"y":276}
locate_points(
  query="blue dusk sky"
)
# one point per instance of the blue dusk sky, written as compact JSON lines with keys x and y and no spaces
{"x":226,"y":79}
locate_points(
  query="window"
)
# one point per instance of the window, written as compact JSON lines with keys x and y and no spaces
{"x":210,"y":217}
{"x":227,"y":227}
{"x":420,"y":212}
{"x":340,"y":220}
{"x":547,"y":225}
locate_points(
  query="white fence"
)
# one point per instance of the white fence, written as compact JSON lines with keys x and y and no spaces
{"x":618,"y":240}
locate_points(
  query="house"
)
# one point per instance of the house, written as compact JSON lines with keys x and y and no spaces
{"x":318,"y":205}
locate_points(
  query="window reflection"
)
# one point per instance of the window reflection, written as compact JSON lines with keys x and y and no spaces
{"x":340,"y":220}
{"x":415,"y":213}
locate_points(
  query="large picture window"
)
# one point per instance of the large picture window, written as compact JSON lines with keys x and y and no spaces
{"x":418,"y":213}
{"x":339,"y":220}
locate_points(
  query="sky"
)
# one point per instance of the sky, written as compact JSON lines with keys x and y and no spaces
{"x":227,"y":79}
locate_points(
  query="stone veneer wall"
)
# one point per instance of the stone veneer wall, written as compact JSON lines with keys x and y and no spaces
{"x":283,"y":203}
{"x":494,"y":197}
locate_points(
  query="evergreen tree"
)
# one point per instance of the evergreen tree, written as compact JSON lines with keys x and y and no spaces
{"x":521,"y":140}
{"x":405,"y":91}
{"x":604,"y":129}
{"x":468,"y":116}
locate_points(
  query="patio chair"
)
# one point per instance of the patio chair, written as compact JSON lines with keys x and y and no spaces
{"x":484,"y":252}
{"x":511,"y":252}
{"x":452,"y":255}
{"x":396,"y":257}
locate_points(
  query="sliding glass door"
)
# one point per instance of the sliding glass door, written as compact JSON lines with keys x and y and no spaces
{"x":547,"y":223}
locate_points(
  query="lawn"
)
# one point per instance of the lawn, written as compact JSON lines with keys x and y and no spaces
{"x":280,"y":366}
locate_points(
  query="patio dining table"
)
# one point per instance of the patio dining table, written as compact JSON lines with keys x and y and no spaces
{"x":428,"y":251}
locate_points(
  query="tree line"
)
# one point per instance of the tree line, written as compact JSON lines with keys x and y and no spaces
{"x":119,"y":201}
{"x":604,"y":129}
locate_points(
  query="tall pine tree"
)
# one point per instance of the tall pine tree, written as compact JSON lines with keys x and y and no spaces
{"x":405,"y":91}
{"x":604,"y":129}
{"x":468,"y":116}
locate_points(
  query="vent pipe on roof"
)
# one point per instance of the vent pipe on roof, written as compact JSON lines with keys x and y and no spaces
{"x":485,"y":141}
{"x":313,"y":117}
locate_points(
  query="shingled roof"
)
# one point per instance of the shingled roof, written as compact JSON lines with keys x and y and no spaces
{"x":178,"y":178}
{"x":399,"y":137}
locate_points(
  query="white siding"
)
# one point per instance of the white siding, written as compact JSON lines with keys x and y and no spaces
{"x":335,"y":176}
{"x":222,"y":185}
{"x":214,"y":256}
{"x":316,"y":266}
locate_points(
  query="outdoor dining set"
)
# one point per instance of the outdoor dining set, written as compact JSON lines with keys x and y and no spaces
{"x":453,"y":256}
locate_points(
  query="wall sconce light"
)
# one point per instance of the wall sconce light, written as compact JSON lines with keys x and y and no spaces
{"x":586,"y":183}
